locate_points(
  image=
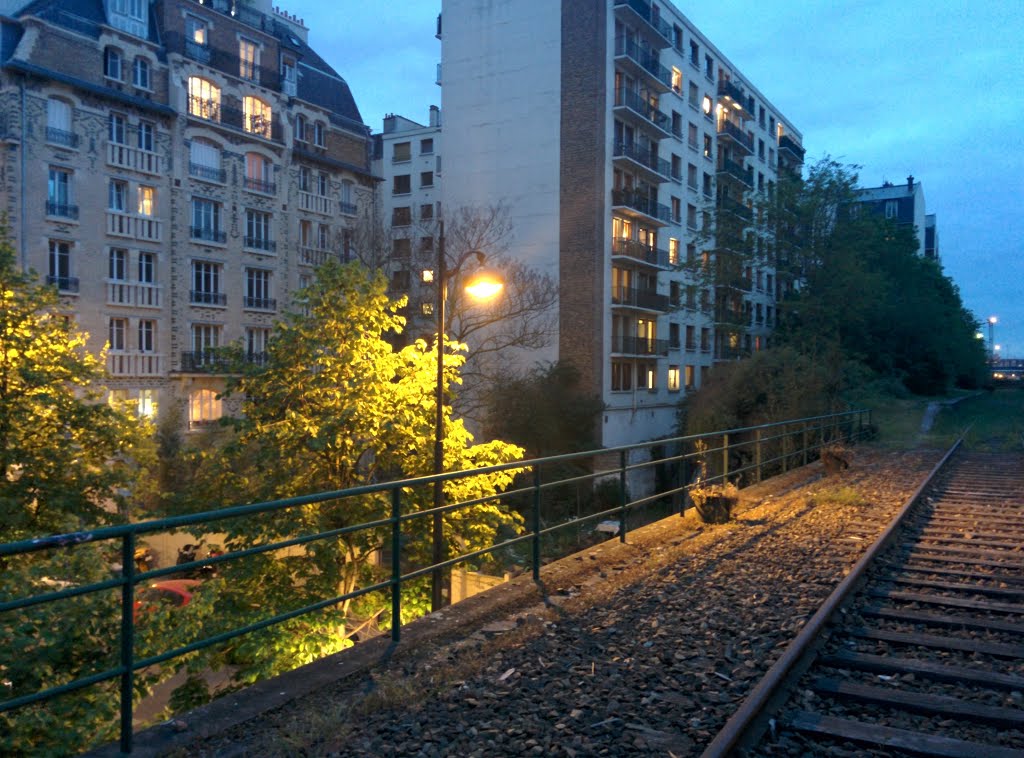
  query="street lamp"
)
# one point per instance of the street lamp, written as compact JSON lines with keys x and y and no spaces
{"x":991,"y":336}
{"x":482,"y":286}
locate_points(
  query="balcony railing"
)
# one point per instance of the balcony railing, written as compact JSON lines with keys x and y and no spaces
{"x":737,"y":135}
{"x":205,"y":361}
{"x":646,"y":62}
{"x":625,"y":98}
{"x":137,"y":227}
{"x":314,"y":256}
{"x":198,"y":52}
{"x":259,"y":303}
{"x":646,"y":157}
{"x":205,"y":108}
{"x":640,"y":252}
{"x":133,"y":363}
{"x":642,"y":204}
{"x":62,"y":210}
{"x":635,"y":297}
{"x":206,"y":234}
{"x":207,"y":173}
{"x":790,"y":145}
{"x":734,"y":93}
{"x":644,"y":12}
{"x":136,"y":159}
{"x":347,"y":208}
{"x":316,"y":203}
{"x":735,"y":207}
{"x":60,"y":137}
{"x":258,"y":185}
{"x":257,"y":359}
{"x":691,"y":346}
{"x":639,"y":345}
{"x":203,"y":297}
{"x":735,"y":170}
{"x":63,"y":283}
{"x":260,"y":243}
{"x":136,"y":294}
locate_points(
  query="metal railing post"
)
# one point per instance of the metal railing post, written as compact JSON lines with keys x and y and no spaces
{"x":785,"y":447}
{"x":396,"y":564}
{"x":757,"y":455}
{"x":804,"y":443}
{"x":725,"y":458}
{"x":536,"y":523}
{"x":622,"y":495}
{"x":127,"y":638}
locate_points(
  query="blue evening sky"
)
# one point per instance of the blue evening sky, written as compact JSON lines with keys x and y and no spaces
{"x":934,"y":89}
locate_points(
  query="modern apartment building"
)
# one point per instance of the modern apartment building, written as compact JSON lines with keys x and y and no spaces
{"x":630,"y":151}
{"x":904,"y":204}
{"x":176,"y":169}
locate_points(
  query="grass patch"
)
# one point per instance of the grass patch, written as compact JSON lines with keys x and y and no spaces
{"x":842,"y":496}
{"x":894,"y":411}
{"x":996,"y":421}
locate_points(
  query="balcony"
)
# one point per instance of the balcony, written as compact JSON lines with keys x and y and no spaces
{"x":632,"y":107}
{"x":259,"y":303}
{"x":315,"y":256}
{"x":733,"y":169}
{"x":258,"y":185}
{"x":260,"y":243}
{"x":728,"y":317}
{"x":207,"y":173}
{"x":136,"y":294}
{"x":638,"y":346}
{"x":653,"y":168}
{"x":637,"y":251}
{"x":257,"y":359}
{"x":640,"y":13}
{"x":691,"y":346}
{"x":205,"y":362}
{"x":735,"y":207}
{"x":133,"y":158}
{"x":203,"y":297}
{"x":206,"y":234}
{"x":198,"y":51}
{"x":120,"y":363}
{"x":132,"y":226}
{"x":347,"y":209}
{"x":644,"y":299}
{"x":62,"y":210}
{"x":316,"y":203}
{"x":63,"y":283}
{"x":734,"y":96}
{"x":204,"y":108}
{"x":729,"y":130}
{"x":637,"y":204}
{"x":642,"y":63}
{"x":791,"y":146}
{"x":60,"y":137}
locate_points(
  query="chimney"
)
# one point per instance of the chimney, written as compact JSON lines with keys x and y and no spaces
{"x":435,"y":115}
{"x":389,"y":123}
{"x":910,"y":183}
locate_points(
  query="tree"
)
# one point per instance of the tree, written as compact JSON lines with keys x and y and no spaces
{"x":336,"y":406}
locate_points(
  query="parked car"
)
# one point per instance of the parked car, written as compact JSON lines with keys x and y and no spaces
{"x":176,"y":593}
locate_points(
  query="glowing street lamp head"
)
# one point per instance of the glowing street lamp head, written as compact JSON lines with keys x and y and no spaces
{"x":993,"y":320}
{"x":484,"y":285}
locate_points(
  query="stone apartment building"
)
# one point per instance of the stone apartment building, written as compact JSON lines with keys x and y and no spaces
{"x":177,"y":169}
{"x":630,"y":151}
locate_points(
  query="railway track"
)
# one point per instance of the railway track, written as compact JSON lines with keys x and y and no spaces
{"x":920,"y":651}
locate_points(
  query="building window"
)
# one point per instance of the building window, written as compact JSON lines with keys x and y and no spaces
{"x":401,"y":216}
{"x":891,"y":208}
{"x":622,"y":376}
{"x":300,"y":128}
{"x":673,"y":378}
{"x":691,"y":216}
{"x":319,"y":134}
{"x":257,"y":116}
{"x":347,"y":204}
{"x":401,"y":247}
{"x":195,"y":30}
{"x":257,"y":289}
{"x":58,"y":194}
{"x":426,"y":179}
{"x":402,"y":185}
{"x":694,"y":99}
{"x":147,"y":268}
{"x":60,"y":267}
{"x":677,"y":81}
{"x":673,"y":251}
{"x":203,"y":99}
{"x":289,"y":79}
{"x":204,"y":406}
{"x":323,"y":236}
{"x":707,"y":146}
{"x":426,"y":146}
{"x":112,"y":63}
{"x":117,"y":196}
{"x":146,"y":133}
{"x":118,"y":264}
{"x":147,"y":335}
{"x":694,"y":53}
{"x":248,"y":60}
{"x":140,"y":73}
{"x":115,"y":339}
{"x":426,"y":245}
{"x":709,"y":67}
{"x":58,"y":123}
{"x":426,"y":212}
{"x":118,"y":129}
{"x":677,"y":38}
{"x":257,"y":230}
{"x":204,"y":161}
{"x":256,"y":340}
{"x":401,"y":152}
{"x":206,"y":284}
{"x":707,"y":185}
{"x":677,"y":210}
{"x":147,"y":200}
{"x":305,"y":179}
{"x":147,"y":403}
{"x":322,"y":184}
{"x":259,"y":174}
{"x":691,"y":177}
{"x":130,"y":16}
{"x":206,"y":220}
{"x":689,"y":377}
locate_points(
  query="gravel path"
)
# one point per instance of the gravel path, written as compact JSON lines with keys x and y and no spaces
{"x":645,"y":650}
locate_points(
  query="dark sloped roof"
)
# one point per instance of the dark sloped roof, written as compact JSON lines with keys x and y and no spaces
{"x":318,"y":82}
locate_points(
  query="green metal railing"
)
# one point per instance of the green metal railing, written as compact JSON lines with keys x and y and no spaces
{"x":742,"y":456}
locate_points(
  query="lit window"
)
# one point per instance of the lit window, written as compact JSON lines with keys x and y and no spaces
{"x":248,"y":60}
{"x":203,"y":98}
{"x":673,"y":251}
{"x":147,"y":200}
{"x":673,"y":378}
{"x":147,"y":403}
{"x":140,"y":73}
{"x":677,"y":81}
{"x":204,"y":406}
{"x":257,"y":115}
{"x":195,"y":30}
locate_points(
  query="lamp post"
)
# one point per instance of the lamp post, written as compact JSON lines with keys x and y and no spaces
{"x":482,"y":288}
{"x":991,"y":337}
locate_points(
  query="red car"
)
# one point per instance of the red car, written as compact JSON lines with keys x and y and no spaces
{"x":176,"y":593}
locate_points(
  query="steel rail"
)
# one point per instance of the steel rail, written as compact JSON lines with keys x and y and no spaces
{"x":747,"y":725}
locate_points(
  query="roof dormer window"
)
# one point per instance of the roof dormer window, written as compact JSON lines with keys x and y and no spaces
{"x":131,"y":16}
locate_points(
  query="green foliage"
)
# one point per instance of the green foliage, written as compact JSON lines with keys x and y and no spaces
{"x":65,"y":455}
{"x":336,"y":406}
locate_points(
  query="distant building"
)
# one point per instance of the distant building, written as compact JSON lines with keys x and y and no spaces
{"x":904,"y":205}
{"x":177,"y":170}
{"x":615,"y":132}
